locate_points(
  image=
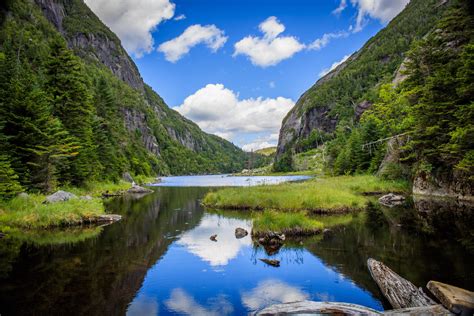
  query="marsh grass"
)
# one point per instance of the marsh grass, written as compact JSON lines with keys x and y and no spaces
{"x":30,"y":212}
{"x":326,"y":195}
{"x":270,"y":220}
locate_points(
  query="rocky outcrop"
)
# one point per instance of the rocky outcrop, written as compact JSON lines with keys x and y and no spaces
{"x":185,"y":138}
{"x":447,"y":184}
{"x":361,"y":108}
{"x":103,"y":47}
{"x":136,"y":189}
{"x":135,"y":122}
{"x":240,"y":233}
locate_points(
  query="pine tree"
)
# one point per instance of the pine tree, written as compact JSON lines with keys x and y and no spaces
{"x":69,"y":88}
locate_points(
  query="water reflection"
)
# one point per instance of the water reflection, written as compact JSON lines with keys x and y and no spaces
{"x":269,"y":292}
{"x":159,"y":260}
{"x":227,"y":246}
{"x":182,"y":303}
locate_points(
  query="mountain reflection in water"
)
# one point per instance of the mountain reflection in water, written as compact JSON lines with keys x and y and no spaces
{"x":159,"y":260}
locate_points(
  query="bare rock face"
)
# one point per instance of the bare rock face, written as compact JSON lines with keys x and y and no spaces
{"x":136,"y":121}
{"x":59,"y":196}
{"x":391,"y":200}
{"x":361,"y":108}
{"x":443,"y":185}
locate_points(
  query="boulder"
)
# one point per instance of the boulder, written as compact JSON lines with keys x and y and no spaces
{"x":23,"y":195}
{"x":86,"y":197}
{"x":59,"y":196}
{"x":139,"y":189}
{"x":240,"y":233}
{"x":391,"y":200}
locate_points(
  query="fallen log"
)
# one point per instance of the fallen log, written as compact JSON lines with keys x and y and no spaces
{"x":432,"y":310}
{"x":399,"y":292}
{"x":324,"y":308}
{"x":457,"y":300}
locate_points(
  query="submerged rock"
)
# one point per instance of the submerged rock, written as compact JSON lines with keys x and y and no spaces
{"x":213,"y":237}
{"x":240,"y":233}
{"x":391,"y":200}
{"x":59,"y":196}
{"x":138,"y":189}
{"x":271,"y":262}
{"x":109,"y":218}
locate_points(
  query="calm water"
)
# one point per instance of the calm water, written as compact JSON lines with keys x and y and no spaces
{"x":159,"y":259}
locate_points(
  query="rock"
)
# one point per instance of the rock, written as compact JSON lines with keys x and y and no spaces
{"x":457,"y":300}
{"x":109,"y":218}
{"x":86,"y":197}
{"x":213,"y":238}
{"x":240,"y":233}
{"x":139,"y":189}
{"x":59,"y":196}
{"x":271,"y":262}
{"x":327,"y":232}
{"x":391,"y":200}
{"x":127,"y":177}
{"x":23,"y":195}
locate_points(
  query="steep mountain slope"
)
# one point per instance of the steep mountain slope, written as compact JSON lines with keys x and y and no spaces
{"x":77,"y":74}
{"x":340,"y":97}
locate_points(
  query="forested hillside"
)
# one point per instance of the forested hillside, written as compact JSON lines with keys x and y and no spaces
{"x":74,"y":108}
{"x":410,"y":90}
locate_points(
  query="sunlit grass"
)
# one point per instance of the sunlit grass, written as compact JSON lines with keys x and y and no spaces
{"x":31,"y":212}
{"x":321,"y":194}
{"x":270,"y":220}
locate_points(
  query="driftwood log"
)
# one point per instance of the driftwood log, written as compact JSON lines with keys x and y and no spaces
{"x":324,"y":308}
{"x":457,"y":300}
{"x":399,"y":292}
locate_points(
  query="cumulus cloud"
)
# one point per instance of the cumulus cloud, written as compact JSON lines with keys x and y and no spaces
{"x":219,"y":110}
{"x":333,"y":66}
{"x":262,"y":142}
{"x":209,"y":35}
{"x":382,"y":10}
{"x":271,"y":292}
{"x":133,"y":20}
{"x":270,"y":49}
{"x":324,"y":40}
{"x":180,"y":17}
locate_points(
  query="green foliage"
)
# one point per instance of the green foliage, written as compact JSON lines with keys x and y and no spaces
{"x":9,"y":184}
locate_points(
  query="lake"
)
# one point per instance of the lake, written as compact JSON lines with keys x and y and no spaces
{"x":159,"y":259}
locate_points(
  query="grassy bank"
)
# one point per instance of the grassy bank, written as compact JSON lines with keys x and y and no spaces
{"x":325,"y":195}
{"x":30,"y":212}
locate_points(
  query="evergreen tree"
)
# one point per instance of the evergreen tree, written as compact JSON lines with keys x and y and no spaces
{"x":69,"y":88}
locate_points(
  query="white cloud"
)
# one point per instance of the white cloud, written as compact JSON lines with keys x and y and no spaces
{"x":333,"y":66}
{"x":133,"y":20}
{"x":325,"y":39}
{"x":219,"y":110}
{"x":216,"y":253}
{"x":382,"y":10}
{"x":262,"y":142}
{"x":271,"y":292}
{"x":182,"y":303}
{"x":270,"y":49}
{"x":342,"y":6}
{"x":196,"y":34}
{"x":180,"y":17}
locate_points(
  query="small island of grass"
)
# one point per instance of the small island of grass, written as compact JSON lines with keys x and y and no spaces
{"x":318,"y":195}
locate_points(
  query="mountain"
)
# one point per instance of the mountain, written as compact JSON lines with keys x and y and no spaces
{"x":74,"y":107}
{"x":401,"y":107}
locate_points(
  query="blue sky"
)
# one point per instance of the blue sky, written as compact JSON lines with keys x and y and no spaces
{"x":237,"y":67}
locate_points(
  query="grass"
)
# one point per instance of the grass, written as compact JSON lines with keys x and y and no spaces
{"x":327,"y":195}
{"x":30,"y":212}
{"x":270,"y":220}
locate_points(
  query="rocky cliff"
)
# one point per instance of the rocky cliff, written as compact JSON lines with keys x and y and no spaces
{"x":145,"y":114}
{"x":346,"y":92}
